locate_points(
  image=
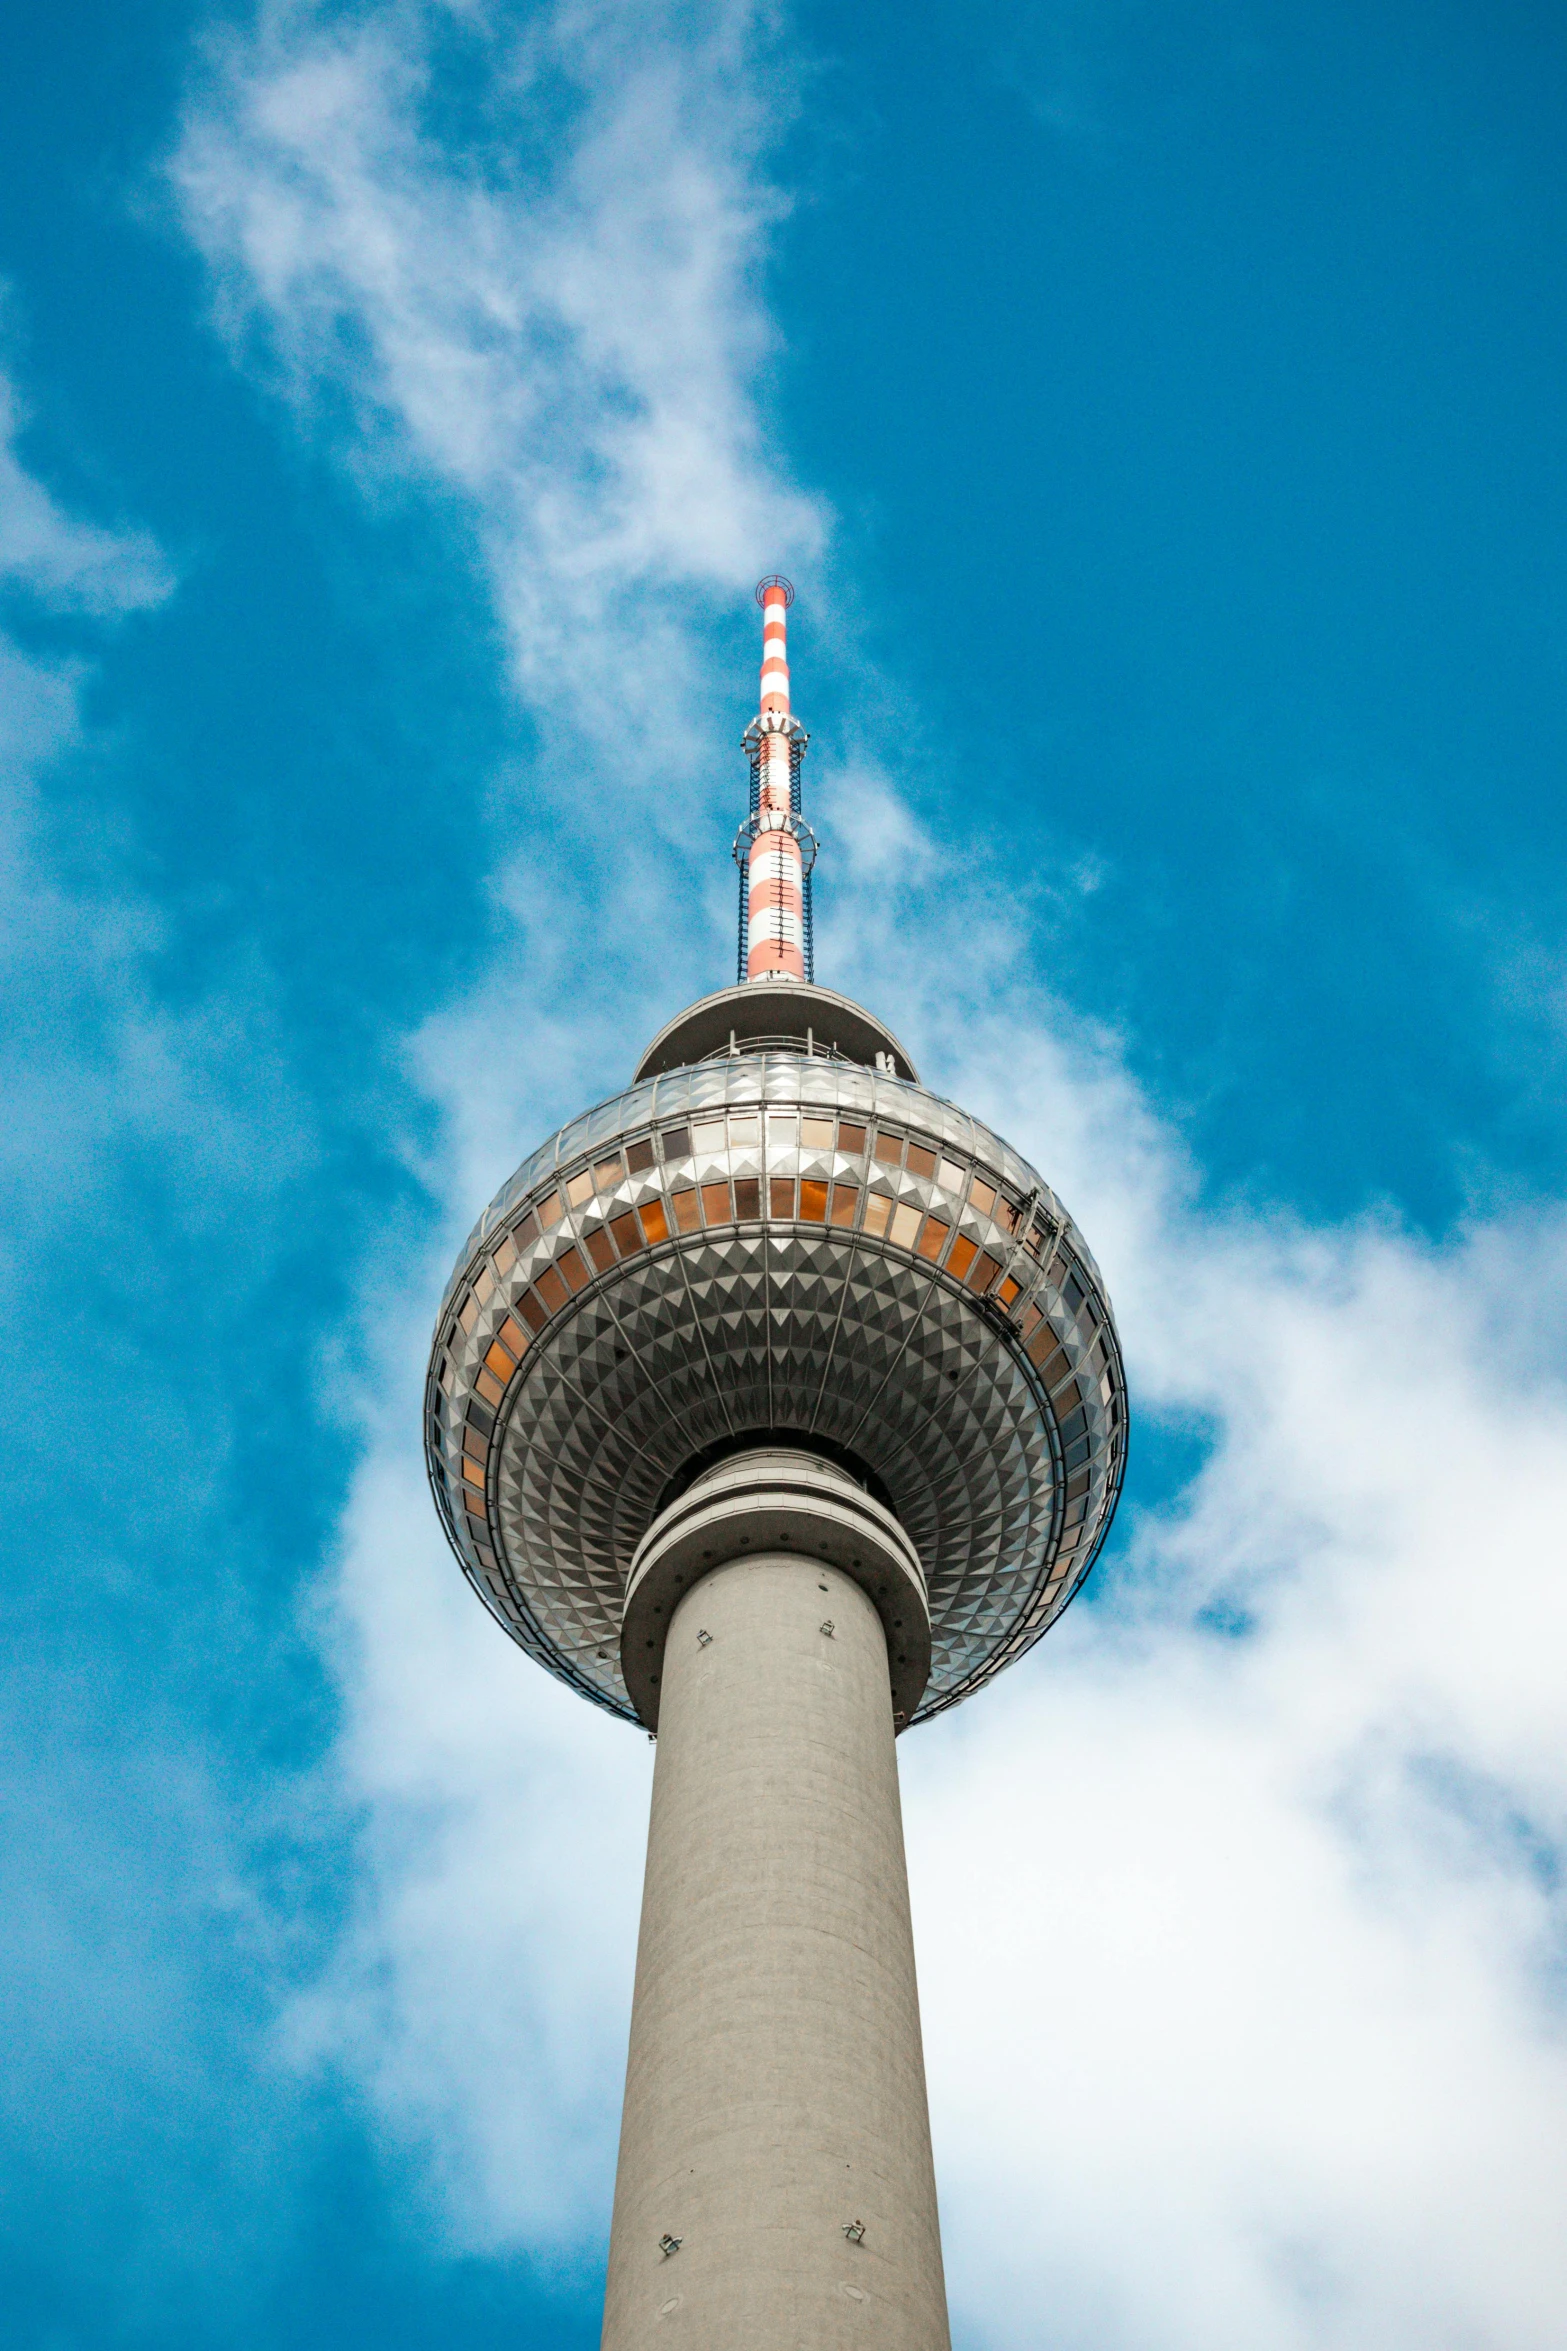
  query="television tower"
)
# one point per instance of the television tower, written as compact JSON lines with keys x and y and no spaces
{"x":775,"y":1405}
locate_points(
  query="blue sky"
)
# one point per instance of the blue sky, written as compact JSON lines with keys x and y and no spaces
{"x":1158,"y":410}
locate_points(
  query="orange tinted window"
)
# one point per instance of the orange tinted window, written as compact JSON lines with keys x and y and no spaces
{"x":934,"y":1238}
{"x":550,"y":1211}
{"x":813,"y":1203}
{"x":878,"y":1208}
{"x":489,"y":1387}
{"x":963,"y":1253}
{"x":1008,"y":1291}
{"x":845,"y":1200}
{"x":982,"y":1197}
{"x":850,"y":1138}
{"x":780,"y":1196}
{"x":627,"y":1233}
{"x":920,"y":1161}
{"x":552,"y":1289}
{"x":685,"y":1208}
{"x":889,"y":1149}
{"x":816,"y":1133}
{"x":905,"y":1224}
{"x":984,"y":1272}
{"x":715,"y":1203}
{"x":531,"y":1311}
{"x":572,"y":1266}
{"x":511,"y":1338}
{"x":654,"y":1222}
{"x":579,"y":1188}
{"x":748,"y":1197}
{"x":500,"y":1363}
{"x":599,"y":1249}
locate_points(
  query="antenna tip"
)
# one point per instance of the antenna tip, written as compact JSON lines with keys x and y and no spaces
{"x":775,"y":585}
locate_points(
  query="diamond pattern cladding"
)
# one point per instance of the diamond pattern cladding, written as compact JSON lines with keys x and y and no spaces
{"x":657,"y":1278}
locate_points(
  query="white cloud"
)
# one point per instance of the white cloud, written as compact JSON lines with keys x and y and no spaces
{"x":67,"y":564}
{"x":568,"y":351}
{"x":481,"y":1993}
{"x":126,"y":1918}
{"x":569,"y":347}
{"x":1242,"y":1956}
{"x":1241,"y":1950}
{"x":84,"y":1046}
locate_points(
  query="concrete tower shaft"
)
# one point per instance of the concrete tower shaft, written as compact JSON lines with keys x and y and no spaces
{"x":775,"y":2184}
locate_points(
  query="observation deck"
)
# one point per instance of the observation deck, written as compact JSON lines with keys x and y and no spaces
{"x":776,"y":1236}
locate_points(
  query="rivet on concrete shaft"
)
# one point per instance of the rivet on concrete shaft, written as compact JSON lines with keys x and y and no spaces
{"x":828,"y":1628}
{"x":668,"y":2245}
{"x":704,"y":1639}
{"x":854,"y":2230}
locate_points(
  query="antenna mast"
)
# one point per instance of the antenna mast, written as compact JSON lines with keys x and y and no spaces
{"x":775,"y":848}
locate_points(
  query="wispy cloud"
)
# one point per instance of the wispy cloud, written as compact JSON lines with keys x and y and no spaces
{"x":142,"y":1121}
{"x":1240,"y":1905}
{"x":57,"y":559}
{"x":549,"y":313}
{"x":93,"y":1058}
{"x":546,"y":316}
{"x":59,"y":952}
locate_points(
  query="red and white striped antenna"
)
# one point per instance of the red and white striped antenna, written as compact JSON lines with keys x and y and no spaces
{"x":775,"y":849}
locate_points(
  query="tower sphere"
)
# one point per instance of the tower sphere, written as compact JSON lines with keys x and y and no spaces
{"x":776,"y":1237}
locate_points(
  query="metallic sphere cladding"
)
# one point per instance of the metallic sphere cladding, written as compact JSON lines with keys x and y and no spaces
{"x":776,"y":1243}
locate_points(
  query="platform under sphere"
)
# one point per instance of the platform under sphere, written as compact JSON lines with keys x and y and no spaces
{"x":771,"y":1245}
